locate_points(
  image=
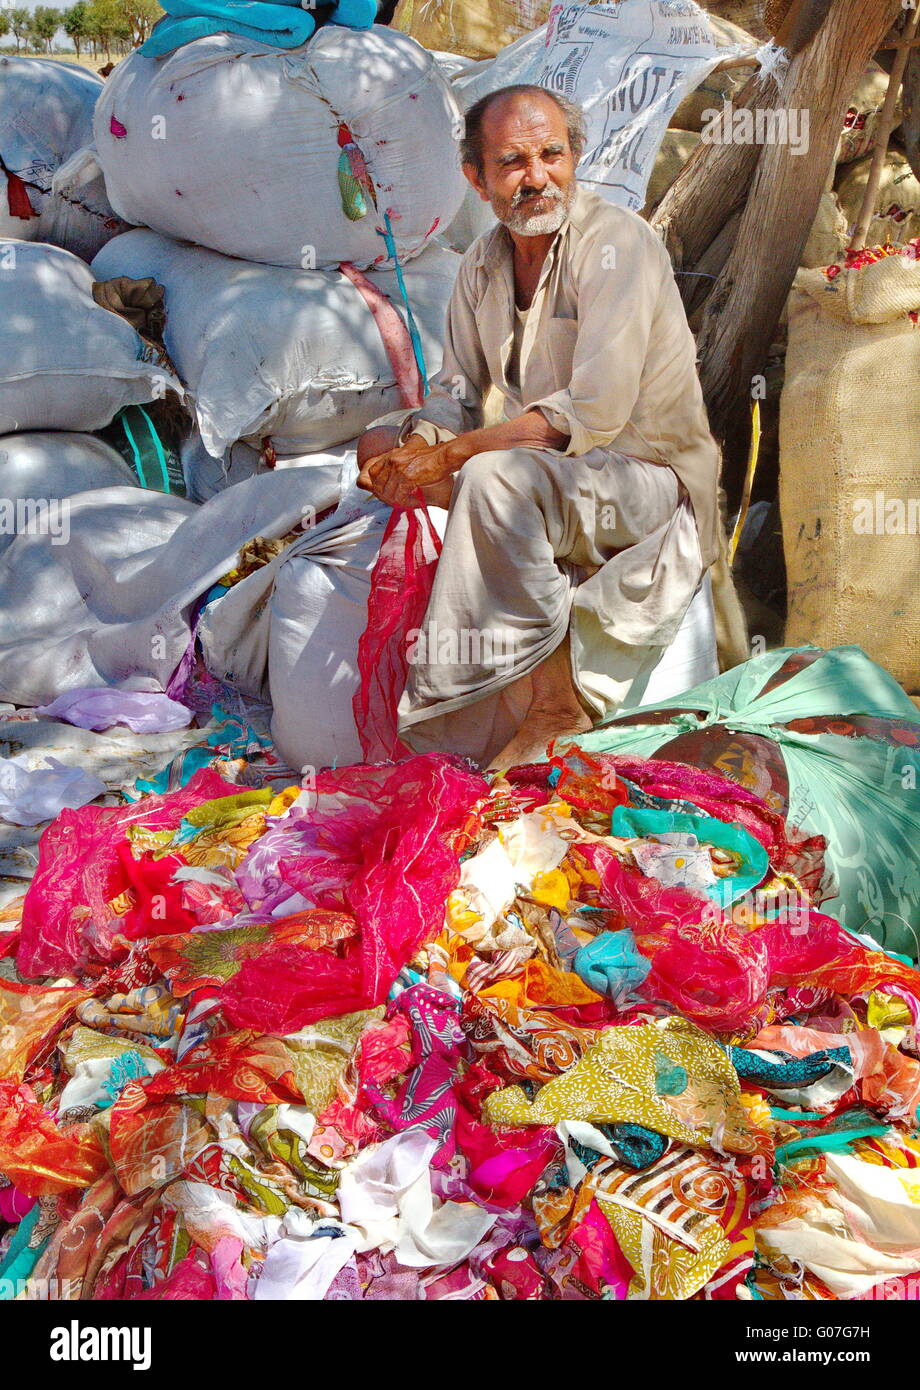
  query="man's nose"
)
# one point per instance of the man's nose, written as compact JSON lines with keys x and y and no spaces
{"x":535,"y":175}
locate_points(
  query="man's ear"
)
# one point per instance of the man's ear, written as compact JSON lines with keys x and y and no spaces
{"x":474,"y":178}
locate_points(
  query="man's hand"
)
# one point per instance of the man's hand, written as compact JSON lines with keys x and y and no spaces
{"x":397,"y":476}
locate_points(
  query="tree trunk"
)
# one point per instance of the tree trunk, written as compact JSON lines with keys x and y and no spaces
{"x":910,"y":101}
{"x":744,"y":305}
{"x":712,"y":185}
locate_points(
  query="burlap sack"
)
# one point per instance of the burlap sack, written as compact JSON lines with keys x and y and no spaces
{"x":861,"y":121}
{"x":897,"y":205}
{"x":744,"y":14}
{"x":828,"y":236}
{"x":850,"y":462}
{"x":673,"y":153}
{"x":470,"y":28}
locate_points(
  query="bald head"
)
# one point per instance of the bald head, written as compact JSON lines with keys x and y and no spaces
{"x":517,"y":100}
{"x":520,"y":151}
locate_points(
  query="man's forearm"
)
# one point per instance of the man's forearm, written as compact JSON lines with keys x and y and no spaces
{"x":532,"y":429}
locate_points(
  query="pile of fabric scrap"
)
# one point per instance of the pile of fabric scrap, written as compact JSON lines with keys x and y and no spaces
{"x":404,"y":1033}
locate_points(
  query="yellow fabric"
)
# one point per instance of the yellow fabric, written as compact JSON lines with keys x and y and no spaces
{"x":616,"y":1080}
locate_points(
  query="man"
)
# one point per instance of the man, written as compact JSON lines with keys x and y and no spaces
{"x":579,"y":528}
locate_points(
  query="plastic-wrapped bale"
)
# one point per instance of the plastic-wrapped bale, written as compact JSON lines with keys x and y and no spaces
{"x":829,"y":741}
{"x":39,"y":470}
{"x":65,"y":362}
{"x":46,"y":116}
{"x":265,"y":350}
{"x":206,"y":476}
{"x":292,"y":157}
{"x":473,"y":28}
{"x":896,"y":217}
{"x":850,"y":459}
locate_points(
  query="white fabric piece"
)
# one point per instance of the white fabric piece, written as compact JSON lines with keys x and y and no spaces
{"x":438,"y":1234}
{"x":882,"y":1204}
{"x":87,"y":1084}
{"x":371,"y":1188}
{"x":298,"y":1119}
{"x":30,"y":795}
{"x":84,"y":365}
{"x":214,"y":1213}
{"x":821,"y":1094}
{"x":247,"y":160}
{"x":46,"y":114}
{"x":533,"y":841}
{"x":302,"y":1270}
{"x":825,"y":1245}
{"x":691,"y":658}
{"x":291,"y":353}
{"x":591,"y":1138}
{"x":674,"y":867}
{"x":41,"y":468}
{"x":488,"y":884}
{"x":112,"y":606}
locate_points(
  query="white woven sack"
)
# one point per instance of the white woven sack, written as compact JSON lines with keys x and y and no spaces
{"x":235,"y":145}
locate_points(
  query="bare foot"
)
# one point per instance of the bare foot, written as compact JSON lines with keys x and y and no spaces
{"x":539,"y":728}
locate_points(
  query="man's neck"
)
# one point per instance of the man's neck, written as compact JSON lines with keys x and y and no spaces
{"x":531,"y":251}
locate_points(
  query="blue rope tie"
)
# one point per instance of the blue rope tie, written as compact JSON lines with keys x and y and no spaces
{"x":413,"y":328}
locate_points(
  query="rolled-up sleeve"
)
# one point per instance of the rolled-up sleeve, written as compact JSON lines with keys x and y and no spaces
{"x":616,"y":310}
{"x":454,"y":401}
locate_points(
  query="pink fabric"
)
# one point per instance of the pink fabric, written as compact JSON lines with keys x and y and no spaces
{"x":383,"y":850}
{"x":400,"y":589}
{"x":230,"y":1278}
{"x":394,"y":334}
{"x":426,"y":1099}
{"x":14,"y":1205}
{"x":702,"y":964}
{"x":67,"y":919}
{"x":189,"y":1281}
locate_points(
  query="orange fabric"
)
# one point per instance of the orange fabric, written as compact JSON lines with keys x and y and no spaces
{"x":28,"y":1015}
{"x":36,"y":1155}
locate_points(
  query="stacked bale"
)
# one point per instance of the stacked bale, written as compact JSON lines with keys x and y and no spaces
{"x":46,"y":116}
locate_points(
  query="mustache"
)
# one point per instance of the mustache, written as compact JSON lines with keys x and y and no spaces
{"x":551,"y":193}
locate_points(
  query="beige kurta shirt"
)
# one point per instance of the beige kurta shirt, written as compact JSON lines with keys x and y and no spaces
{"x":607,"y":354}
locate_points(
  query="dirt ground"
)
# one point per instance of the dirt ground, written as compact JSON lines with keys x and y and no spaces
{"x":86,"y":60}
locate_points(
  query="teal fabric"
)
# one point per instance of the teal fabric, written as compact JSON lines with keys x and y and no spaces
{"x":19,"y":1261}
{"x":282,"y":24}
{"x":635,"y":821}
{"x":861,"y":794}
{"x":825,"y":1143}
{"x":611,"y":964}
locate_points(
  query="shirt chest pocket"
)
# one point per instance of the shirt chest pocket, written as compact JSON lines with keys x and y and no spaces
{"x":549,"y":366}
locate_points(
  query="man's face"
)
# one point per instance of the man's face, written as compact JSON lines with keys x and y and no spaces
{"x":528,"y":170}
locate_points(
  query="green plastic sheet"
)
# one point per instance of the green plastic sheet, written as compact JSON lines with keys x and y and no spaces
{"x":862,"y":794}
